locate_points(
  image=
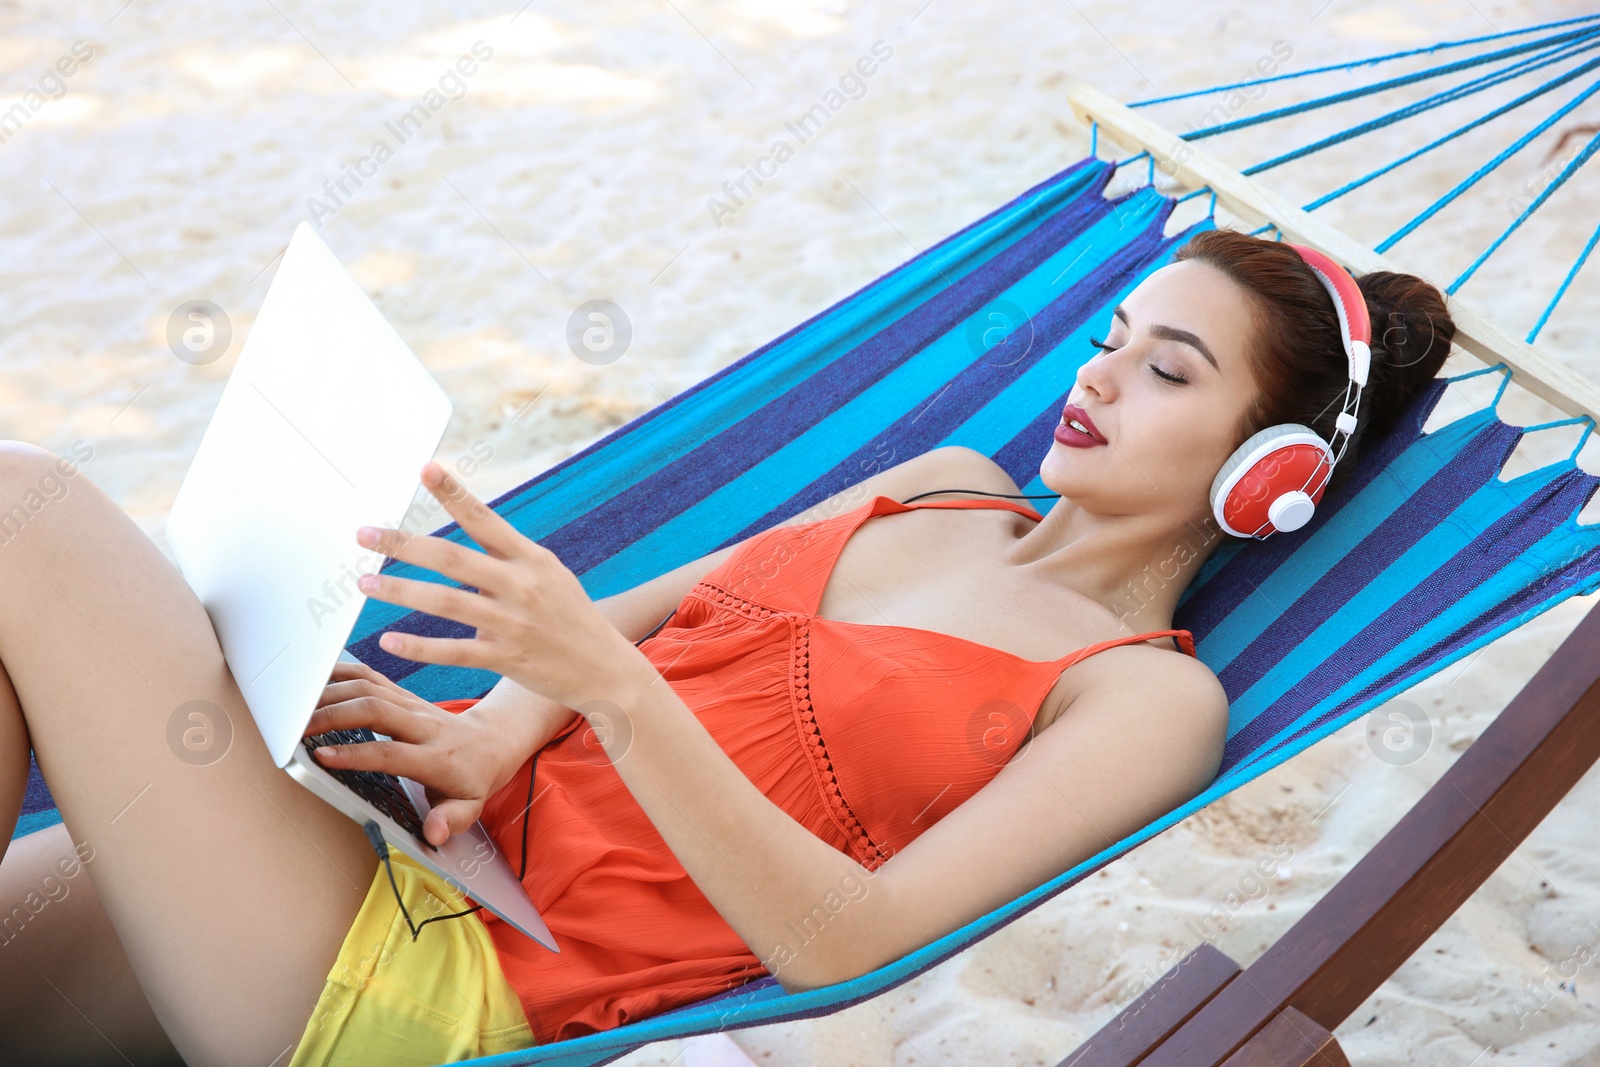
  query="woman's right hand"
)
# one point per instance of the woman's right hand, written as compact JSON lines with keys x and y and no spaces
{"x":460,"y":759}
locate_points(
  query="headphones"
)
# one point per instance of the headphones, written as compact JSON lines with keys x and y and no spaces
{"x":1264,"y":487}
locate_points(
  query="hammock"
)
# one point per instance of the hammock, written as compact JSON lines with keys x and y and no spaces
{"x":1421,"y":558}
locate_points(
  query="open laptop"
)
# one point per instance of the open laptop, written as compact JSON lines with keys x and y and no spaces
{"x":323,"y":426}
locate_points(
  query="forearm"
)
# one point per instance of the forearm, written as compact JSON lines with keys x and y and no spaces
{"x":780,"y":887}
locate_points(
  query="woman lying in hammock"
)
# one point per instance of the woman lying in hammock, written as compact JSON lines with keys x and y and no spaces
{"x":847,"y":739}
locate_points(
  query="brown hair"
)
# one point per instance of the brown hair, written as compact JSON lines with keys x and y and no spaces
{"x":1296,"y":357}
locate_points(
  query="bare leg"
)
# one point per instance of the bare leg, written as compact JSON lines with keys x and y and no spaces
{"x":230,"y":887}
{"x":69,"y":993}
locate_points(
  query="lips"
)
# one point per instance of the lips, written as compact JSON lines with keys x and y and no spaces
{"x":1073,"y":411}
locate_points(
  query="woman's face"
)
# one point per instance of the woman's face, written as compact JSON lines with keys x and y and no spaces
{"x":1165,"y":439}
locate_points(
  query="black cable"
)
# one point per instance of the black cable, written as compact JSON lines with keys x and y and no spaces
{"x":982,"y":492}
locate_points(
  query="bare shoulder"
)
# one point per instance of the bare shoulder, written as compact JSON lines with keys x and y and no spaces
{"x":1155,"y":696}
{"x":960,"y":467}
{"x":1149,"y":674}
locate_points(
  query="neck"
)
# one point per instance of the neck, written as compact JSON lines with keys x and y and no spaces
{"x":1135,"y":566}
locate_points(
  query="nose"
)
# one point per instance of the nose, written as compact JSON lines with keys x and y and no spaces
{"x":1098,"y":375}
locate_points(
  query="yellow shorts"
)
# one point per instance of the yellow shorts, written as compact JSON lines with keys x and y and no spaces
{"x":391,"y":1000}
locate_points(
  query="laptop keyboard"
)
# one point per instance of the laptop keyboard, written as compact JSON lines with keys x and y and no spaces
{"x":382,"y":791}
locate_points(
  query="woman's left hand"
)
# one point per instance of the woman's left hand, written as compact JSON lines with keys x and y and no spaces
{"x":535,"y":622}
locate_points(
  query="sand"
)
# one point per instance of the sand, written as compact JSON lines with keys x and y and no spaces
{"x":576,"y":163}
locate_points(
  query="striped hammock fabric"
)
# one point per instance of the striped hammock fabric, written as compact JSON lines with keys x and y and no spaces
{"x":1422,"y":557}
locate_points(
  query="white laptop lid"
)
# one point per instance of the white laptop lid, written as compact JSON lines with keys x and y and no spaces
{"x":323,"y":426}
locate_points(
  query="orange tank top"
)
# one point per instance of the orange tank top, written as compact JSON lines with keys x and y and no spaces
{"x":865,"y":734}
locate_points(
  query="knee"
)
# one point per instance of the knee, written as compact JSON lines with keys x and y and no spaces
{"x":20,"y":455}
{"x":20,"y":459}
{"x":31,"y":477}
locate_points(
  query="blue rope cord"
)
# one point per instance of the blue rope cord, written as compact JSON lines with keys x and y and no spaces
{"x":1501,"y":366}
{"x":1573,"y":273}
{"x":1566,"y":172}
{"x":1582,"y":438}
{"x":1118,"y":164}
{"x":1365,"y":62}
{"x":1211,"y":212}
{"x":1472,"y":179}
{"x":1439,"y":99}
{"x":1376,"y":87}
{"x":1553,"y":83}
{"x":1587,"y":430}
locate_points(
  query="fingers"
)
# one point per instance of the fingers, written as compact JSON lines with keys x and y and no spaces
{"x":386,"y":757}
{"x":344,"y":670}
{"x":447,"y":651}
{"x":435,"y":598}
{"x":497,"y":536}
{"x":370,"y":711}
{"x":349,"y":689}
{"x":448,"y":558}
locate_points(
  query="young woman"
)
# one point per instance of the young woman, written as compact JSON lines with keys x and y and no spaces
{"x":849,"y":738}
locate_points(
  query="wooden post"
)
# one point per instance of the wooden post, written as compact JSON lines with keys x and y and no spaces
{"x":1415,"y":878}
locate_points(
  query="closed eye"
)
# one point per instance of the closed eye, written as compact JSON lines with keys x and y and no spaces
{"x":1176,"y":379}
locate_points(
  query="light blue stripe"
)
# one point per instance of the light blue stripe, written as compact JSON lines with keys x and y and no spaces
{"x":35,"y":821}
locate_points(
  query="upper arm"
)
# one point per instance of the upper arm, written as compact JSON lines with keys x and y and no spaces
{"x":1115,"y":760}
{"x":636,"y":611}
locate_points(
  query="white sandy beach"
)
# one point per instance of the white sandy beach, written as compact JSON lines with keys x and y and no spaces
{"x":576,"y":163}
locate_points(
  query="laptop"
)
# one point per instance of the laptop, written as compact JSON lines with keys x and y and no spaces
{"x":323,"y":426}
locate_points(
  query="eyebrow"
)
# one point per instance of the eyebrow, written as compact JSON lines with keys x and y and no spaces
{"x":1172,"y":333}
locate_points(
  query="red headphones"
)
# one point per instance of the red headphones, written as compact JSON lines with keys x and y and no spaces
{"x":1265,"y":486}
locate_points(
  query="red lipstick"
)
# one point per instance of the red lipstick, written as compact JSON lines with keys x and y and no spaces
{"x":1074,"y":438}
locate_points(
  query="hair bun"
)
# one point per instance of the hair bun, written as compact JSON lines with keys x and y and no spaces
{"x":1411,"y":336}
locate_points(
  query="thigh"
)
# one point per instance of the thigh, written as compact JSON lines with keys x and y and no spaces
{"x":230,"y":886}
{"x":68,"y":994}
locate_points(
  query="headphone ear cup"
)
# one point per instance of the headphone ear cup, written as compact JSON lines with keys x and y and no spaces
{"x":1245,"y":491}
{"x":1244,"y":452}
